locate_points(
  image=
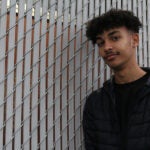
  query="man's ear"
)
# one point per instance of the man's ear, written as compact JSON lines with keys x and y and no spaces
{"x":135,"y":37}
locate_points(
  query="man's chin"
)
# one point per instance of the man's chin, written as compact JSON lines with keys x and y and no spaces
{"x":115,"y":67}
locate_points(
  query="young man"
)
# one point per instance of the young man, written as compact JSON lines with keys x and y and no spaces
{"x":117,"y":116}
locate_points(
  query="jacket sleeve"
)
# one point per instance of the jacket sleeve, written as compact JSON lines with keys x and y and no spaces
{"x":88,"y":125}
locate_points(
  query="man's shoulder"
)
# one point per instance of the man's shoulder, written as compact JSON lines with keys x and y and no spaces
{"x":95,"y":93}
{"x":96,"y":99}
{"x":92,"y":100}
{"x":94,"y":96}
{"x":99,"y":91}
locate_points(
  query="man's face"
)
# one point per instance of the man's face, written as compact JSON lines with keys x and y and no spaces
{"x":117,"y":47}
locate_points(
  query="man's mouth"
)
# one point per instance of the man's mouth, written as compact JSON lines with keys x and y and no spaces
{"x":111,"y":56}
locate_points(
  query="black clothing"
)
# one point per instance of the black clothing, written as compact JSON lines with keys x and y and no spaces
{"x":105,"y":124}
{"x":125,"y":95}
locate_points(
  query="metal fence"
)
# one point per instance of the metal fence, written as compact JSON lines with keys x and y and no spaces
{"x":47,"y":68}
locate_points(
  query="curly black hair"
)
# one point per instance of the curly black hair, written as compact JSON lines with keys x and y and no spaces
{"x":112,"y":19}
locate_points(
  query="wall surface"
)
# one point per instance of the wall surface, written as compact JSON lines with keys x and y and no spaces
{"x":47,"y":68}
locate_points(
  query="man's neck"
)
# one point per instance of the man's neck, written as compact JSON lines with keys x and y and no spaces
{"x":128,"y":75}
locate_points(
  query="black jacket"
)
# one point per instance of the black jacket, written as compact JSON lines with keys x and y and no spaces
{"x":100,"y":120}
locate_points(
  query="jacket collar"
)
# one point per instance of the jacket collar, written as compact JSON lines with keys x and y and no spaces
{"x":147,"y":69}
{"x":110,"y":83}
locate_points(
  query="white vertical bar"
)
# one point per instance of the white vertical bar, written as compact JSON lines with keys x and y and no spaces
{"x":78,"y":44}
{"x":101,"y":61}
{"x":143,"y":3}
{"x":108,"y":5}
{"x":84,"y":74}
{"x":77,"y":81}
{"x":135,"y":10}
{"x":57,"y":74}
{"x":90,"y":67}
{"x":79,"y":17}
{"x":102,"y":8}
{"x":64,"y":128}
{"x":114,"y":3}
{"x":71,"y":133}
{"x":135,"y":7}
{"x":102,"y":64}
{"x":64,"y":74}
{"x":35,"y":70}
{"x":95,"y":71}
{"x":2,"y":65}
{"x":84,"y":55}
{"x":124,"y":4}
{"x":119,"y":4}
{"x":97,"y":3}
{"x":77,"y":128}
{"x":130,"y":5}
{"x":51,"y":75}
{"x":19,"y":73}
{"x":102,"y":69}
{"x":108,"y":72}
{"x":27,"y":63}
{"x":71,"y":67}
{"x":85,"y":11}
{"x":57,"y":131}
{"x":50,"y":123}
{"x":64,"y":95}
{"x":80,"y":88}
{"x":140,"y":34}
{"x":77,"y":119}
{"x":64,"y":54}
{"x":10,"y":77}
{"x":43,"y":75}
{"x":72,"y":23}
{"x":91,"y":9}
{"x":96,"y":65}
{"x":148,"y":28}
{"x":90,"y":51}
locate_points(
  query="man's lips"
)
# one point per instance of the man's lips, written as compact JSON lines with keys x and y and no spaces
{"x":111,"y":56}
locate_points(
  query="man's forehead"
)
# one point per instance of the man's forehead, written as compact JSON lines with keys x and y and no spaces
{"x":112,"y":31}
{"x":108,"y":33}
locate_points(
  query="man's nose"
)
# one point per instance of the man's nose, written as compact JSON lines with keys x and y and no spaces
{"x":107,"y":46}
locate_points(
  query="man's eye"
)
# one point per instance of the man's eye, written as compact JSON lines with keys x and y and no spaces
{"x":100,"y":44}
{"x":115,"y":38}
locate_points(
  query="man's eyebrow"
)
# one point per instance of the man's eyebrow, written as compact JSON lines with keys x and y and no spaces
{"x":98,"y":38}
{"x":109,"y":34}
{"x":113,"y":32}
